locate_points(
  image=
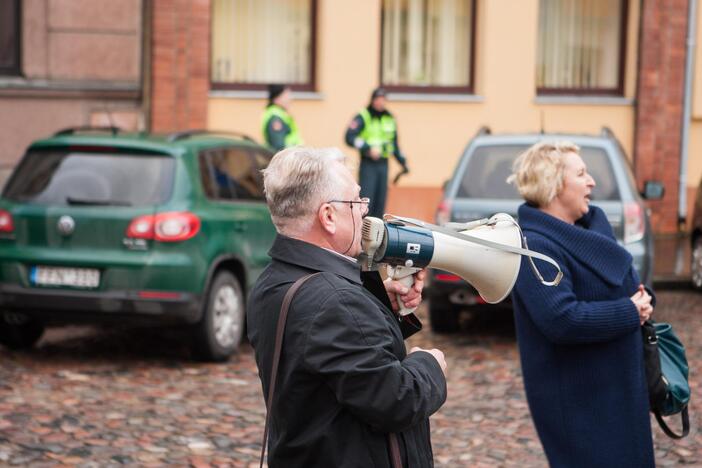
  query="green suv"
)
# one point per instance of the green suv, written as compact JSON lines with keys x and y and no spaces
{"x":99,"y":225}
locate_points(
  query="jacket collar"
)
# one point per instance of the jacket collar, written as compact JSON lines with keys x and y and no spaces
{"x":376,"y":114}
{"x":297,"y":252}
{"x":590,"y":241}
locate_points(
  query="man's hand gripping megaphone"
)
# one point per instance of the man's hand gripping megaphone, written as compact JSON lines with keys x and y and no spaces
{"x":373,"y":237}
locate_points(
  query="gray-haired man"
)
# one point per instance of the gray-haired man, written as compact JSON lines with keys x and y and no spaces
{"x":345,"y":380}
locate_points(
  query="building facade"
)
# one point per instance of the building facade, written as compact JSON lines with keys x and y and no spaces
{"x":67,"y":63}
{"x":450,"y":66}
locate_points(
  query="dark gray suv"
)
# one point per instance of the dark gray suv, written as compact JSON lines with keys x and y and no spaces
{"x":478,"y":189}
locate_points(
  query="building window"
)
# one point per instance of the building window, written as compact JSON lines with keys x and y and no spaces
{"x":256,"y":42}
{"x":10,"y":37}
{"x":428,"y":45}
{"x":581,"y":47}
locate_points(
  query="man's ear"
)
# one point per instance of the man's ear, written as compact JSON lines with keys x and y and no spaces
{"x":327,"y":218}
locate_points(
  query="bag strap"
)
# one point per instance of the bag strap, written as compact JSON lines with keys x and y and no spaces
{"x":669,"y":432}
{"x":280,"y":330}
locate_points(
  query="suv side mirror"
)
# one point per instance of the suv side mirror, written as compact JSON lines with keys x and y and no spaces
{"x":653,"y":190}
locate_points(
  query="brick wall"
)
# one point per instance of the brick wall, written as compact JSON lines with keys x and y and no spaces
{"x":660,"y":104}
{"x":180,"y":75}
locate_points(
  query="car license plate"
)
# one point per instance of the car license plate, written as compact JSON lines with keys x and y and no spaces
{"x":58,"y":276}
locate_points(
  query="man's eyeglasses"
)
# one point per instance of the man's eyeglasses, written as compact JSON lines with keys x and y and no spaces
{"x":363,"y":202}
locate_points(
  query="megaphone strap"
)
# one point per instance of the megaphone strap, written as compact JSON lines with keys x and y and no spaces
{"x":494,"y":245}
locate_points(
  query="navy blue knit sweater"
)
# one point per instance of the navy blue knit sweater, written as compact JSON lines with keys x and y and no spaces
{"x":580,"y":345}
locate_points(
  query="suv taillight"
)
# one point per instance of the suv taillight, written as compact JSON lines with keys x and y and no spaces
{"x":6,"y":224}
{"x":634,"y":222}
{"x":443,"y":212}
{"x":174,"y":226}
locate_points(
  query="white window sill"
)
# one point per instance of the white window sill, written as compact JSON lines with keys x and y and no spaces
{"x":22,"y":87}
{"x":431,"y":97}
{"x":584,"y":100}
{"x":247,"y":94}
{"x":24,"y":83}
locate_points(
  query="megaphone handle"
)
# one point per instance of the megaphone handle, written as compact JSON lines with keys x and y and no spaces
{"x":403,"y":275}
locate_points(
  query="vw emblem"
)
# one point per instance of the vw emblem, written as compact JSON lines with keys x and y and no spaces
{"x":66,"y":225}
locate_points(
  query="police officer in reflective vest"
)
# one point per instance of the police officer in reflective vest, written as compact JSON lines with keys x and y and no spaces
{"x":278,"y":126}
{"x":373,"y":131}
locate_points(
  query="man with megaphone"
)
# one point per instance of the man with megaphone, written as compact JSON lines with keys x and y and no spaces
{"x":341,"y":390}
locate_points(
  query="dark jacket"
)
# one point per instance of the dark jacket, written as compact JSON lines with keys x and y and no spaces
{"x":580,"y":345}
{"x":344,"y":379}
{"x":275,"y":132}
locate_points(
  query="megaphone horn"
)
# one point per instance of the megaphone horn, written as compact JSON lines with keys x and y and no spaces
{"x":487,"y":254}
{"x":490,"y":271}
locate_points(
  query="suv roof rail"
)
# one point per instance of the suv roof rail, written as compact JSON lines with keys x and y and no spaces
{"x":201,"y":131}
{"x":484,"y":130}
{"x":88,"y":129}
{"x":607,"y":132}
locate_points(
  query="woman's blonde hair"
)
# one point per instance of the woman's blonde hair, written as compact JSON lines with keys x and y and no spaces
{"x":538,"y":172}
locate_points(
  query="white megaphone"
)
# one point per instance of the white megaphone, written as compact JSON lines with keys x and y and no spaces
{"x":486,"y":252}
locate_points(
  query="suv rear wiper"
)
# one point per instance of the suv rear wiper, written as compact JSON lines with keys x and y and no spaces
{"x":88,"y":201}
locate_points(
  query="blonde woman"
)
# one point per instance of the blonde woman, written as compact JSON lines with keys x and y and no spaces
{"x":579,"y":342}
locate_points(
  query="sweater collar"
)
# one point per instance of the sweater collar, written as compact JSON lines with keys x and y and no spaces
{"x":307,"y":255}
{"x":590,"y":241}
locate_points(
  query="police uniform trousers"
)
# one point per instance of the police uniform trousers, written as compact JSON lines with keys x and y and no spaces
{"x":373,"y":179}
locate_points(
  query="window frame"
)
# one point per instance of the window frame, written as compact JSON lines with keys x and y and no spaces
{"x":470,"y":89}
{"x":16,"y":69}
{"x":619,"y":90}
{"x":310,"y":86}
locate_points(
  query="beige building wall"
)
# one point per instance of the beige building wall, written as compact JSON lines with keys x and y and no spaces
{"x":694,"y":166}
{"x":433,"y":130}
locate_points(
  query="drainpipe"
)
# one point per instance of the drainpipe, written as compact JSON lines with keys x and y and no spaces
{"x":687,"y":101}
{"x":146,"y":62}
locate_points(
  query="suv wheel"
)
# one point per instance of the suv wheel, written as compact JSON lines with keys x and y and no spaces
{"x":18,"y":331}
{"x":443,"y":316}
{"x":696,"y":264}
{"x":219,"y":332}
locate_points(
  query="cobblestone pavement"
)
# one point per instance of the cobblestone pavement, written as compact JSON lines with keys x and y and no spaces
{"x":92,"y":398}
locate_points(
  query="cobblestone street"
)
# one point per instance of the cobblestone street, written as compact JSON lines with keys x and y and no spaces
{"x":90,"y":397}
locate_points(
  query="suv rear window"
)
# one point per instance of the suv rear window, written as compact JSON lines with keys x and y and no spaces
{"x":489,"y":166}
{"x":91,"y":178}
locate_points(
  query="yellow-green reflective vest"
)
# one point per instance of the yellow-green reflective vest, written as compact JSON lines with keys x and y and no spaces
{"x":291,"y":139}
{"x":379,"y":132}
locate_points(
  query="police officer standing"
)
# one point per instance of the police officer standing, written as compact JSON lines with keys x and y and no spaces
{"x":278,"y":126}
{"x":373,"y":131}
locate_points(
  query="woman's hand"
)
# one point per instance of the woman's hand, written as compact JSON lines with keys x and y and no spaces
{"x":411,"y":297}
{"x":642,"y":301}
